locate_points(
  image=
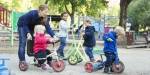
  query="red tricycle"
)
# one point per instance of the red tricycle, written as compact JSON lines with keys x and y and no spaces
{"x":57,"y":64}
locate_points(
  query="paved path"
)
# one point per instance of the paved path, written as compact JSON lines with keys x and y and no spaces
{"x":137,"y":62}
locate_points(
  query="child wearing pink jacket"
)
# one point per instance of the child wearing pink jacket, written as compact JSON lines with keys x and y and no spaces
{"x":41,"y":42}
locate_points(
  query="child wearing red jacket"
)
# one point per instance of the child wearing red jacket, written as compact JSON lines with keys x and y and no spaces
{"x":40,"y":46}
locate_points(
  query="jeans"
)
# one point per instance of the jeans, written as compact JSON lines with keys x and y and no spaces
{"x":60,"y":50}
{"x":111,"y":57}
{"x":22,"y":43}
{"x":88,"y":51}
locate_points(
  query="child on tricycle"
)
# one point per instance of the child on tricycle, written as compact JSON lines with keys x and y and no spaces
{"x":112,"y":63}
{"x":40,"y":46}
{"x":110,"y":48}
{"x":40,"y":51}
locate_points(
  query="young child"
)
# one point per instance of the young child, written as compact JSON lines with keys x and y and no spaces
{"x":40,"y":46}
{"x":63,"y":32}
{"x":110,"y":47}
{"x":89,"y":39}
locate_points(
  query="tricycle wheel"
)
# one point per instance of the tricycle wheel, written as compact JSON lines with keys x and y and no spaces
{"x":119,"y":69}
{"x":73,"y":60}
{"x":58,"y":65}
{"x":88,"y":67}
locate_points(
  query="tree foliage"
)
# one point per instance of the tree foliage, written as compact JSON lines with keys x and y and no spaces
{"x":84,"y":7}
{"x":94,"y":7}
{"x":17,"y":5}
{"x":139,"y":13}
{"x":72,"y":7}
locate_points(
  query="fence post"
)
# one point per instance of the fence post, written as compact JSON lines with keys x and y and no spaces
{"x":12,"y":30}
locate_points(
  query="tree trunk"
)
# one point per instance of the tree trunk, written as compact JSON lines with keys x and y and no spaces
{"x":123,"y":15}
{"x":123,"y":12}
{"x":71,"y":14}
{"x":46,"y":2}
{"x":72,"y":19}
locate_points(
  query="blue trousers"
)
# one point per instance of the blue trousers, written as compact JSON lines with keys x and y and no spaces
{"x":22,"y":43}
{"x":60,"y":50}
{"x":111,"y":57}
{"x":88,"y":51}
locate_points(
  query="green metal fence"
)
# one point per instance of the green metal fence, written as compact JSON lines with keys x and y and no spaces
{"x":15,"y":17}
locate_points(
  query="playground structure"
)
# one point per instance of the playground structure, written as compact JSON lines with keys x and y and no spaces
{"x":8,"y":25}
{"x":4,"y":16}
{"x":3,"y":68}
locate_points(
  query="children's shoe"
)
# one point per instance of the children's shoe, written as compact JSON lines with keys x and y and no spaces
{"x":62,"y":57}
{"x":49,"y":63}
{"x":37,"y":65}
{"x":106,"y":70}
{"x":111,"y":70}
{"x":92,"y":60}
{"x":23,"y":62}
{"x":43,"y":66}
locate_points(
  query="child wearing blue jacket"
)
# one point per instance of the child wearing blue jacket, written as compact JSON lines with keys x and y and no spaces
{"x":110,"y":47}
{"x":89,"y":39}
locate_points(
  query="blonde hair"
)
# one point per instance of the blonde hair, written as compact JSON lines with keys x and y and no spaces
{"x":39,"y":29}
{"x":120,"y":30}
{"x":87,"y":21}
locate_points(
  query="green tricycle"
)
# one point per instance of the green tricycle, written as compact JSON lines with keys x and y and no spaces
{"x":76,"y":53}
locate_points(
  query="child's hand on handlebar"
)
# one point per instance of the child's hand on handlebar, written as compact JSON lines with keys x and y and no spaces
{"x":55,"y":39}
{"x":51,"y":39}
{"x":29,"y":37}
